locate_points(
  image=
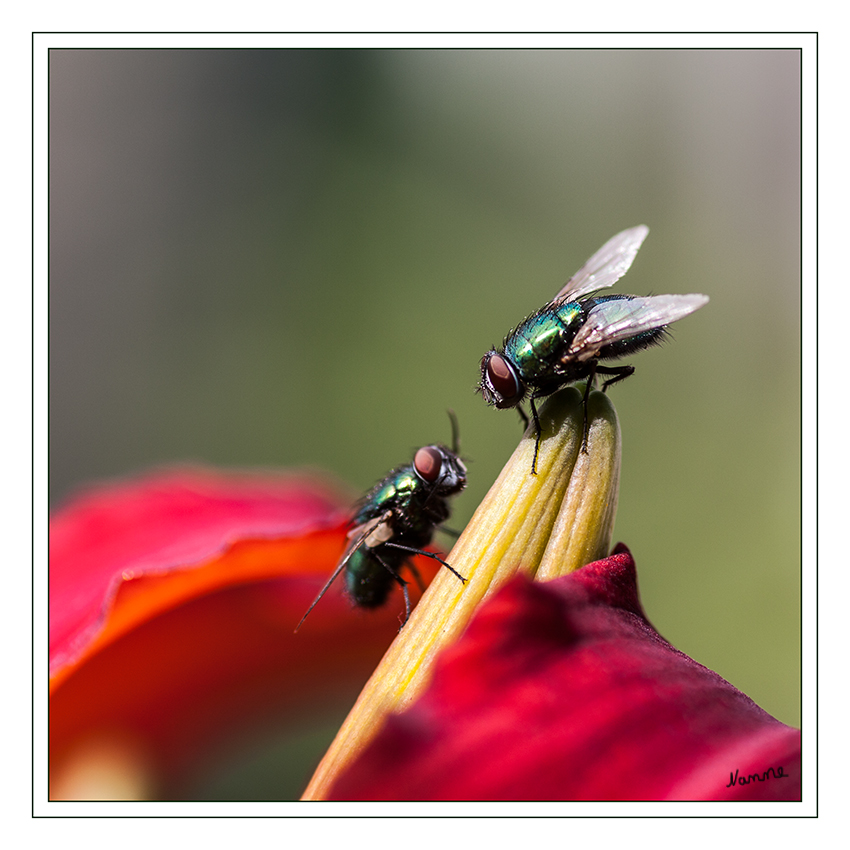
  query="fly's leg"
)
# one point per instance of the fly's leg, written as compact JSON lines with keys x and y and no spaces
{"x":400,"y":581}
{"x":536,"y":434}
{"x":619,"y":373}
{"x":594,"y":368}
{"x":427,"y":555}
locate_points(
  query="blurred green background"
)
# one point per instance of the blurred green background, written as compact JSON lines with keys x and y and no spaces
{"x":298,"y":257}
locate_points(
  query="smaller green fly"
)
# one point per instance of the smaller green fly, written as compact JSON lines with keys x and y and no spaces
{"x":396,"y":519}
{"x":565,"y":339}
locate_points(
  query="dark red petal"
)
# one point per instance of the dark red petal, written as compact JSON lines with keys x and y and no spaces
{"x":564,"y":691}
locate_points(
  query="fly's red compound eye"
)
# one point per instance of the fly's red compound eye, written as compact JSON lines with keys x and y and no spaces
{"x":502,"y":377}
{"x":428,"y":463}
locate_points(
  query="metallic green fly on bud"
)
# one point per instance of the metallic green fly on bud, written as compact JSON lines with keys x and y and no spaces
{"x":565,"y":339}
{"x":544,"y":525}
{"x":397,"y":519}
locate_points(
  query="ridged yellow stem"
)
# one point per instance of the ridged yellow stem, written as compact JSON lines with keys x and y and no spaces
{"x":545,"y":525}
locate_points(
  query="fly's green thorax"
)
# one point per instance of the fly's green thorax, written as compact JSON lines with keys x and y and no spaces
{"x":398,"y":490}
{"x":404,"y":493}
{"x":414,"y":514}
{"x":541,"y":339}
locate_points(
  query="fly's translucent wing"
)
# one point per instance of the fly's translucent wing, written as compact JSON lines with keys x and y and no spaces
{"x":606,"y":266}
{"x":370,"y":533}
{"x":619,"y":319}
{"x":357,"y":537}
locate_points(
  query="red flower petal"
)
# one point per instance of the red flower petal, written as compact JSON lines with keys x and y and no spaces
{"x":117,"y":534}
{"x":564,"y":691}
{"x":173,"y":600}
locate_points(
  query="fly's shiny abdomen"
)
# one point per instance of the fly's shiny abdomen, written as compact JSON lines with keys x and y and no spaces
{"x":625,"y":347}
{"x":629,"y":345}
{"x":539,"y":341}
{"x":367,"y":581}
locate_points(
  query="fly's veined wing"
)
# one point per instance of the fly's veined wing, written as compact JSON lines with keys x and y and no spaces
{"x":372,"y":532}
{"x":606,"y":266}
{"x":612,"y":321}
{"x":356,"y":538}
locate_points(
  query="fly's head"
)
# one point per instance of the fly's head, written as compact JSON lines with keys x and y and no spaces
{"x":500,"y":382}
{"x":440,"y":469}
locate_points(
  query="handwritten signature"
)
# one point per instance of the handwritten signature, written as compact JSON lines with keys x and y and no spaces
{"x":770,"y":773}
